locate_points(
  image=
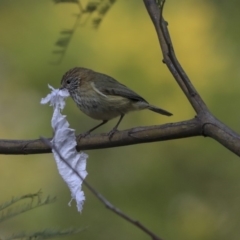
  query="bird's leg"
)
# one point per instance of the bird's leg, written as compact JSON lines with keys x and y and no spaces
{"x":92,"y":129}
{"x":111,"y":133}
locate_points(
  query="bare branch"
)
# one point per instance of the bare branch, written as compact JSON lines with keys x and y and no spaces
{"x":97,"y":141}
{"x":211,"y":126}
{"x":170,"y":58}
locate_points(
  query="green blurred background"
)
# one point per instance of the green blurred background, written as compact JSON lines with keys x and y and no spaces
{"x":181,"y":189}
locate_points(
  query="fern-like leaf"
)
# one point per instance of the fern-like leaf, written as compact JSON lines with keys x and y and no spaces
{"x":66,"y":1}
{"x":12,"y":212}
{"x":44,"y":234}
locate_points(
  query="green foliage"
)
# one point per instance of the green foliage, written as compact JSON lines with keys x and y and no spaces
{"x":44,"y":234}
{"x":66,"y":1}
{"x":95,"y":9}
{"x":35,"y":201}
{"x":7,"y":212}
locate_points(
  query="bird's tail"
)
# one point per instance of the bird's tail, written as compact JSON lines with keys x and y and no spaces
{"x":159,"y":110}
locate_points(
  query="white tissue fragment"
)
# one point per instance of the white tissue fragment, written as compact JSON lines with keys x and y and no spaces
{"x":65,"y":142}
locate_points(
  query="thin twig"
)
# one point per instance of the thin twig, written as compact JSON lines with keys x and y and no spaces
{"x":170,"y":58}
{"x":171,"y":54}
{"x":100,"y":197}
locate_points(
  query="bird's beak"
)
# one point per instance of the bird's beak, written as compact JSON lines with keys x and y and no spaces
{"x":61,"y":88}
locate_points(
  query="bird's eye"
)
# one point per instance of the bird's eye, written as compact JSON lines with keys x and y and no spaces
{"x":68,"y":81}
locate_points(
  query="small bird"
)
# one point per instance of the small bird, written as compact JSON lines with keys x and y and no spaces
{"x":102,"y":97}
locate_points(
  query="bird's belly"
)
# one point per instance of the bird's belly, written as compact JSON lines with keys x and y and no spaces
{"x":99,"y":115}
{"x":101,"y":108}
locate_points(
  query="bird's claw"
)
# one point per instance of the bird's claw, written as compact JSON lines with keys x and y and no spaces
{"x":111,"y":133}
{"x":82,"y":135}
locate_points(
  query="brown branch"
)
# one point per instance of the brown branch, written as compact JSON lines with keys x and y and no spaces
{"x":170,"y":58}
{"x":128,"y":137}
{"x":204,"y":124}
{"x":211,"y":126}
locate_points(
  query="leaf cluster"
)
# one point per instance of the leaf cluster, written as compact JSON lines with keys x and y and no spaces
{"x":9,"y":210}
{"x":94,"y":10}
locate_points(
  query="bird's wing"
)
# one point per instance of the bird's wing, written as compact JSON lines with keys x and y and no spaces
{"x":109,"y":86}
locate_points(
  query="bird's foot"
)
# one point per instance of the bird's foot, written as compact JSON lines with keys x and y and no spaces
{"x":82,"y":135}
{"x":111,"y":133}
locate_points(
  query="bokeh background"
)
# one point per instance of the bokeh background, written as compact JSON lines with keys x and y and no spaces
{"x":181,"y":189}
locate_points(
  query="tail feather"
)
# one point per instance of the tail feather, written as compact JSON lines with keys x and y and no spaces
{"x":159,"y":110}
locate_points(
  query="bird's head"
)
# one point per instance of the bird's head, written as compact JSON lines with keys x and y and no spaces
{"x":74,"y":78}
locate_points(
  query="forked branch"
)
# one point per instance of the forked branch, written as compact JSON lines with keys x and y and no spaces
{"x":204,"y":124}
